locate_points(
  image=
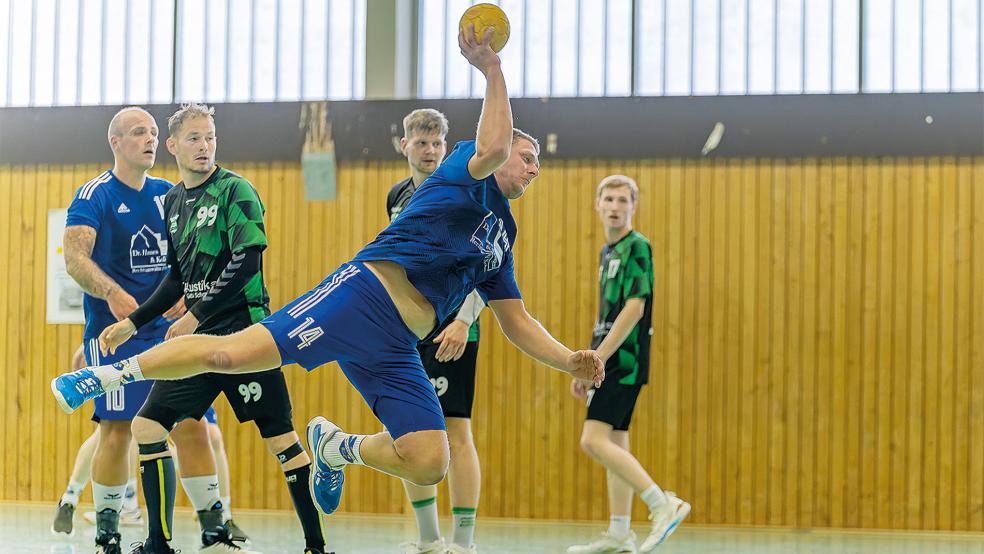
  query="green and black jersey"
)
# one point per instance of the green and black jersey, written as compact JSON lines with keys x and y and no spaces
{"x":206,"y":225}
{"x":626,"y":271}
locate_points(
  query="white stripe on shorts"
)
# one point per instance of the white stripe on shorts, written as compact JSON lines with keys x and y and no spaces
{"x":322,"y":292}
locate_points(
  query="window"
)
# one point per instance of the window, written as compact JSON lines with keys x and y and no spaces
{"x":83,"y":52}
{"x":711,"y":47}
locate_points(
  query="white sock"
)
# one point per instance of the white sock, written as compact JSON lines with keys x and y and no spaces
{"x":464,"y":526}
{"x":342,"y":449}
{"x":425,"y":511}
{"x":202,"y":491}
{"x":108,"y":496}
{"x":653,"y":497}
{"x":114,"y":375}
{"x":73,"y":492}
{"x":130,"y":498}
{"x":618,"y":526}
{"x":226,"y":508}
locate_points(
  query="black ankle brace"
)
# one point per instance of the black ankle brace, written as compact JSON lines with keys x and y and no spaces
{"x":290,"y":453}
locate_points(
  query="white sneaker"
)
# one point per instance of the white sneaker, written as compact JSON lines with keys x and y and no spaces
{"x":665,"y":520}
{"x":127,"y":518}
{"x":455,"y":548}
{"x":607,"y":544}
{"x":433,"y":547}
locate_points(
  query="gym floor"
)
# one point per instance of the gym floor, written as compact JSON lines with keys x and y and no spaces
{"x":24,"y":528}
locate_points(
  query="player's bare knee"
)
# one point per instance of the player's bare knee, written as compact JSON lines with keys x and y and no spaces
{"x":461,"y":445}
{"x":115,"y":434}
{"x":427,"y":464}
{"x":219,"y":360}
{"x":591,"y":444}
{"x":460,"y":438}
{"x":146,"y":431}
{"x":429,"y":471}
{"x":434,"y":465}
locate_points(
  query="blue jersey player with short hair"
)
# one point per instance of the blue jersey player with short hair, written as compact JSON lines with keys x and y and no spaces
{"x":456,"y":235}
{"x":115,"y":248}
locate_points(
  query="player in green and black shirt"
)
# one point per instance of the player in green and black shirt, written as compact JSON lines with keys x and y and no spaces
{"x":449,"y":357}
{"x":621,"y":336}
{"x":216,"y":237}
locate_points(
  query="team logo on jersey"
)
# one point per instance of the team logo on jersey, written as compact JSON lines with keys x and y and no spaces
{"x":306,"y":335}
{"x":173,"y":225}
{"x":491,"y":240}
{"x":148,"y":251}
{"x":123,"y":209}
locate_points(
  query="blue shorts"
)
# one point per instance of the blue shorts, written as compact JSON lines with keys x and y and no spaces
{"x":210,"y":416}
{"x":124,"y":402}
{"x":350,"y":318}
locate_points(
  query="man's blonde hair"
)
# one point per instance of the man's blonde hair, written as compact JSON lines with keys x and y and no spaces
{"x":425,"y":121}
{"x":186,"y":112}
{"x":618,"y":181}
{"x":519,"y":134}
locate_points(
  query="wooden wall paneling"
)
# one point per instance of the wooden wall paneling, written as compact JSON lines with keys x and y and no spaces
{"x":931,"y":441}
{"x":840,"y":261}
{"x":869,"y":345}
{"x":750,"y":478}
{"x":901,"y":371}
{"x":762,"y":322}
{"x":790,"y":341}
{"x":961,"y":347}
{"x":976,"y":380}
{"x":815,"y":357}
{"x":916,"y":339}
{"x":947,"y":371}
{"x":732,"y":358}
{"x":883,"y":336}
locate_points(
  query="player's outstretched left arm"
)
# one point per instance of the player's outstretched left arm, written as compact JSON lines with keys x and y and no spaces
{"x":529,"y":336}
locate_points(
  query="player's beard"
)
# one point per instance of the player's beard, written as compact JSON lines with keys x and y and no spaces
{"x":208,"y":168}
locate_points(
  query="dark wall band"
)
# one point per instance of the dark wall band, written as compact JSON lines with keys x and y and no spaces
{"x":597,"y":128}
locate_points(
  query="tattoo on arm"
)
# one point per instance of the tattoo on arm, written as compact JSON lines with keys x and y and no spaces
{"x":78,"y":242}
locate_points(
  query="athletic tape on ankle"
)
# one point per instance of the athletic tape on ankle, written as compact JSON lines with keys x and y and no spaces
{"x":290,"y":453}
{"x":152,"y":448}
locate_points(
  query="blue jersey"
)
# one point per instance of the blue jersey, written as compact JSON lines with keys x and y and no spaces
{"x":131,"y":247}
{"x":454,"y":236}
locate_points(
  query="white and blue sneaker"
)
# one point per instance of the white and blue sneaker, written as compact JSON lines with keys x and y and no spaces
{"x":73,"y":389}
{"x":666,"y":518}
{"x":326,"y":481}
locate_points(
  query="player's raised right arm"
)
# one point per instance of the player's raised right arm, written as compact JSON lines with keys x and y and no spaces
{"x":495,"y":125}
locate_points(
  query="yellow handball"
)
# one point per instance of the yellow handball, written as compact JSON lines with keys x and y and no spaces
{"x":483,"y":16}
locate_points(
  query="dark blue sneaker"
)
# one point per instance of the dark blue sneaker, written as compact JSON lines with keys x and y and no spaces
{"x":73,"y":389}
{"x":326,"y":482}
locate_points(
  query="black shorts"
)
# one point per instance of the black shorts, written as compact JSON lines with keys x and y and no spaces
{"x":613,"y":404}
{"x":454,"y":381}
{"x":258,"y":397}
